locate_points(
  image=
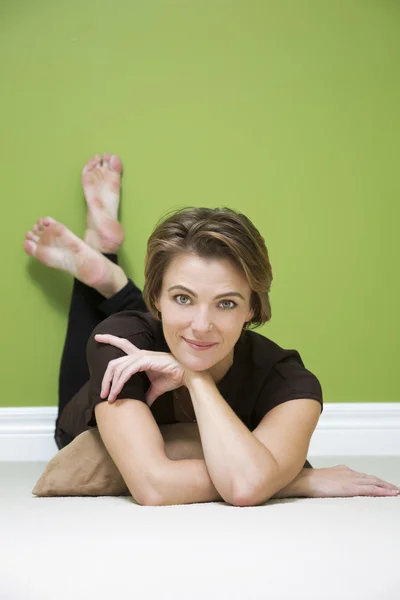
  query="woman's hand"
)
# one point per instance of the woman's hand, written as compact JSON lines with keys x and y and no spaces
{"x":162,"y":368}
{"x":342,"y":482}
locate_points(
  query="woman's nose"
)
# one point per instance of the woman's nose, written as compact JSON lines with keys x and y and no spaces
{"x":201,"y":322}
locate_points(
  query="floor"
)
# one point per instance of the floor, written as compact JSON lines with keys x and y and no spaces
{"x":108,"y":547}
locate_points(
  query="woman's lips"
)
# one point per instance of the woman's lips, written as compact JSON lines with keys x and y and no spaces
{"x":196,"y":347}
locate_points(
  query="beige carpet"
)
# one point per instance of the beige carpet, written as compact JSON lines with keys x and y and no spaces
{"x":95,"y":548}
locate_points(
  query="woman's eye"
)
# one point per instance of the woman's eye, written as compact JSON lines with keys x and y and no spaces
{"x":231,"y":303}
{"x":181,"y":296}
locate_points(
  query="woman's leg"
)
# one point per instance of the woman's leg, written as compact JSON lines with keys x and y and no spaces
{"x":88,"y":308}
{"x":100,"y":288}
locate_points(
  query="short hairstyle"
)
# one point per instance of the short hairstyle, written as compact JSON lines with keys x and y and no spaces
{"x":210,"y":233}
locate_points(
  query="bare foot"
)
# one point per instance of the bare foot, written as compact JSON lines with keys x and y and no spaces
{"x":56,"y":246}
{"x":101,"y":181}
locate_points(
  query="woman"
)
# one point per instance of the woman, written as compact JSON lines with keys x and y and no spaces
{"x":183,"y":353}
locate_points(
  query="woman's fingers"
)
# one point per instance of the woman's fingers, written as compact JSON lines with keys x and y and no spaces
{"x":157,"y":365}
{"x":107,"y":378}
{"x":377,"y":482}
{"x":117,"y":383}
{"x":123,"y":372}
{"x":344,"y":482}
{"x":382,"y":486}
{"x":370,"y":485}
{"x":376,"y":490}
{"x":121,"y":376}
{"x":109,"y":374}
{"x":124,"y":345}
{"x":113,"y":340}
{"x":385,"y":484}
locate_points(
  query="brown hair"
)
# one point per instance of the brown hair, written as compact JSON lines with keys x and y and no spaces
{"x":210,"y":233}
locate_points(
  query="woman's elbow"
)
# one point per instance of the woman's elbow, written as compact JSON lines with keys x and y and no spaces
{"x":144,"y":495}
{"x":149,"y":498}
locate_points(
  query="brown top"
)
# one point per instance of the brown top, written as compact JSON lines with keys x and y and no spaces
{"x":262,"y":376}
{"x":183,"y":406}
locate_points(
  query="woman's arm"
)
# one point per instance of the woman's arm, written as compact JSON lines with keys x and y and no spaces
{"x":296,"y":488}
{"x":235,"y":458}
{"x":183,"y":441}
{"x":134,"y":442}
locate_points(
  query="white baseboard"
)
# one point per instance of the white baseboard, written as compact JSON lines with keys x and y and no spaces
{"x":344,"y":429}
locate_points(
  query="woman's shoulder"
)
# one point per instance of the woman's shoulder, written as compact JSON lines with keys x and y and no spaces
{"x":282,"y":373}
{"x":264,"y":351}
{"x":128,"y":321}
{"x":134,"y":325}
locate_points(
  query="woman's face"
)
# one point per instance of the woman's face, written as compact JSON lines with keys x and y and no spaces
{"x":204,"y":301}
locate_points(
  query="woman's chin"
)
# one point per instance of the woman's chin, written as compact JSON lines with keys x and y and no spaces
{"x":196,"y":363}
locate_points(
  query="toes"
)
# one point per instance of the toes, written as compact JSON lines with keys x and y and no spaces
{"x":106,"y":160}
{"x":115,"y":163}
{"x":97,"y":159}
{"x":31,"y":236}
{"x":40,"y":224}
{"x":30,"y":247}
{"x":90,"y":165}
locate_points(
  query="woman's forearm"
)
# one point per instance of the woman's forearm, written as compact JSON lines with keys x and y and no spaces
{"x":188,"y":480}
{"x":296,"y":488}
{"x":183,"y":442}
{"x":238,"y":463}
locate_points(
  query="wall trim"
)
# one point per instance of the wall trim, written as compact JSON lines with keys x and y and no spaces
{"x":344,"y":429}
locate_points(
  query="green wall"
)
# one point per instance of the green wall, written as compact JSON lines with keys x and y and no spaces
{"x":287,"y":111}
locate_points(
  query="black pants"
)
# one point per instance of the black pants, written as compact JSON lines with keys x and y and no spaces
{"x":88,"y":308}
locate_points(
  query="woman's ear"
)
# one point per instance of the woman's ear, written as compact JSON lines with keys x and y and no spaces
{"x":250,"y":315}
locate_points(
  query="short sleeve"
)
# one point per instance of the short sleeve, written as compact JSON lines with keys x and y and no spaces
{"x":287,"y":380}
{"x":98,"y":355}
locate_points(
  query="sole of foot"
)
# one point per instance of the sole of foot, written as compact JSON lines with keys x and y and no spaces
{"x":54,"y":245}
{"x":101,"y":182}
